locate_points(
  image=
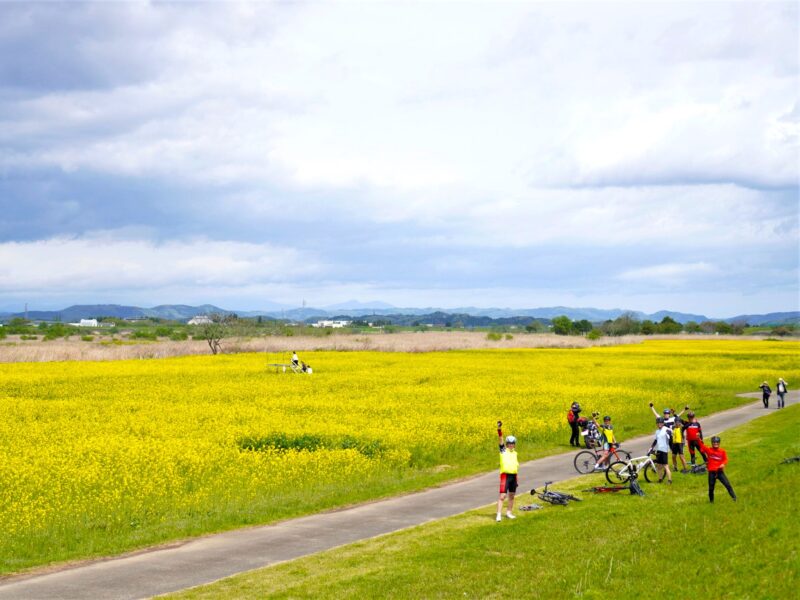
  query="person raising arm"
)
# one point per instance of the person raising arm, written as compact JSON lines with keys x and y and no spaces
{"x":509,"y":467}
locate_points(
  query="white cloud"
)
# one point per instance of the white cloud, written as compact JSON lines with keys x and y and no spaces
{"x":110,"y":263}
{"x":669,"y":274}
{"x":416,"y":97}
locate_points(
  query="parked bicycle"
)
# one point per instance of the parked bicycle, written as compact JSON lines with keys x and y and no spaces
{"x":621,"y":471}
{"x":585,"y":460}
{"x":552,"y":497}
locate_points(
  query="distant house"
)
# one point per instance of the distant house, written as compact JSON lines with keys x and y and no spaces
{"x":200,"y":320}
{"x":333,"y":324}
{"x":86,"y":323}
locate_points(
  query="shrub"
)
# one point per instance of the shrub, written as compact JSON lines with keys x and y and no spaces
{"x":179,"y":336}
{"x":509,"y":336}
{"x":594,"y":334}
{"x":144,"y":334}
{"x":493,"y":336}
{"x":87,"y":338}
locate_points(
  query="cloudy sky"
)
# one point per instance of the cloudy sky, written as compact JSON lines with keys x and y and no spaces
{"x":640,"y":155}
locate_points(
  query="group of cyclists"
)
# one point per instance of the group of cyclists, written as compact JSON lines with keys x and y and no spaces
{"x":672,"y":435}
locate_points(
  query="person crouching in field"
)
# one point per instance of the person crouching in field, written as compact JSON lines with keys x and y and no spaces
{"x":717,"y":459}
{"x":509,"y":467}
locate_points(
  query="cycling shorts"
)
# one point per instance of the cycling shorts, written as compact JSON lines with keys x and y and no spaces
{"x":662,"y":458}
{"x":508,"y":483}
{"x":676,"y":447}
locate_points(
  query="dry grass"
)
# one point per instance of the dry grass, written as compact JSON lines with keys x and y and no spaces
{"x":15,"y":350}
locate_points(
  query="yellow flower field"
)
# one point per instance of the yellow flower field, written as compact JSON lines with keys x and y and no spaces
{"x":105,"y":456}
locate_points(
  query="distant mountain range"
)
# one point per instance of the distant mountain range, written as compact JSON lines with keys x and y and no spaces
{"x":354,"y":309}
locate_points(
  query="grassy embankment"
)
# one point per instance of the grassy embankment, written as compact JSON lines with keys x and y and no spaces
{"x":671,"y":543}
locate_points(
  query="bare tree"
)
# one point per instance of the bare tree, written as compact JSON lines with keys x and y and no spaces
{"x":214,"y":332}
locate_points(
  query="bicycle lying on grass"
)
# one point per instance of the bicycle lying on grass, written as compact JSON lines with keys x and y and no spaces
{"x":585,"y":460}
{"x":621,"y":471}
{"x":552,"y":497}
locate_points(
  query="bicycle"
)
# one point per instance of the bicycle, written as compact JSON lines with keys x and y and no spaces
{"x":621,"y":471}
{"x":585,"y":460}
{"x":558,"y":498}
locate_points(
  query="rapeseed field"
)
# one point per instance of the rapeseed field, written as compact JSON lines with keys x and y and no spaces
{"x":100,"y":457}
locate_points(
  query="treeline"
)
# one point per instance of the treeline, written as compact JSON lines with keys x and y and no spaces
{"x":627,"y":324}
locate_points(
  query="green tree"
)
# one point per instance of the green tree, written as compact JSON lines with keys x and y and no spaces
{"x":562,"y":325}
{"x":648,"y":327}
{"x":669,"y":325}
{"x":691,"y":327}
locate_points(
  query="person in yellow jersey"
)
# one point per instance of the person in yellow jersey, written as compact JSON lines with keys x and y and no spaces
{"x":609,"y":441}
{"x":509,"y":467}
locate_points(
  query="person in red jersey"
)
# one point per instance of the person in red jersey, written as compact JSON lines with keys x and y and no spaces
{"x":694,"y":436}
{"x":716,"y":459}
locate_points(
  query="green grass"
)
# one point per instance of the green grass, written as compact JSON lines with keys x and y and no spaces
{"x":670,"y":544}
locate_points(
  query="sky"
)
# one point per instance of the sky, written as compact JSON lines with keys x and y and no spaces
{"x":617,"y":155}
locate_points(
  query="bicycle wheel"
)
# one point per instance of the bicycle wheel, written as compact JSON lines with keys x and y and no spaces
{"x":585,"y":461}
{"x":624,"y":455}
{"x":618,"y":472}
{"x":650,"y":473}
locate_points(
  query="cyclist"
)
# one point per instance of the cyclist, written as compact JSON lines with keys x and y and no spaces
{"x":765,"y":393}
{"x":694,"y":435}
{"x":609,"y":441}
{"x":669,"y":415}
{"x":717,"y":460}
{"x":572,"y":419}
{"x":781,"y":389}
{"x":676,"y":446}
{"x":661,"y":446}
{"x":509,"y":467}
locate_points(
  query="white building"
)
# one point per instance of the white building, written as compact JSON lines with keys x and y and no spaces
{"x":86,"y":323}
{"x":200,"y":320}
{"x":333,"y":324}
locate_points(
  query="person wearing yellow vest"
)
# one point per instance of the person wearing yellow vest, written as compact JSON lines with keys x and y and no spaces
{"x":672,"y":420}
{"x":509,"y":467}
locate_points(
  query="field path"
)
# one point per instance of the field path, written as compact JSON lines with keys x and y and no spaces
{"x":206,"y":559}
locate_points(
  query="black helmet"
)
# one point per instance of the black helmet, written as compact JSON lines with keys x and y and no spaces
{"x":715,"y":440}
{"x":576,"y":406}
{"x":690,"y":414}
{"x":659,"y":421}
{"x":606,"y":418}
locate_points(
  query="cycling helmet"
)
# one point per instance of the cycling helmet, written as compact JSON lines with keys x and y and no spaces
{"x":659,"y":421}
{"x":715,"y":440}
{"x":606,"y":418}
{"x":576,"y":406}
{"x":690,"y":414}
{"x":667,"y":411}
{"x":511,"y":440}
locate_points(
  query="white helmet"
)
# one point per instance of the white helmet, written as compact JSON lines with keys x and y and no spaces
{"x":511,"y":440}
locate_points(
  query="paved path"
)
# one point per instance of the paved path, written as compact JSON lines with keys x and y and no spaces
{"x":210,"y":558}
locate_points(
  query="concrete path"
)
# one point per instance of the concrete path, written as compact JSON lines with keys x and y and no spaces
{"x":210,"y":558}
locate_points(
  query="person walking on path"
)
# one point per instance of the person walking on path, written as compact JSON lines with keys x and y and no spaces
{"x":765,"y":394}
{"x":781,"y":389}
{"x":717,"y":461}
{"x":509,"y":467}
{"x":661,"y":445}
{"x":572,"y":419}
{"x":694,"y":436}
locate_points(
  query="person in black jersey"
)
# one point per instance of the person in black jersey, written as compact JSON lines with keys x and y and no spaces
{"x":572,"y":419}
{"x":765,"y":394}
